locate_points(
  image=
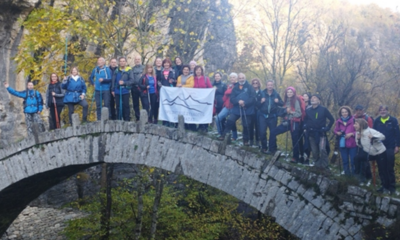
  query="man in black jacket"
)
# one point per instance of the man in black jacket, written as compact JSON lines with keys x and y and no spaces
{"x":135,"y":74}
{"x":268,"y":108}
{"x":388,"y":126}
{"x":316,"y":126}
{"x":113,"y":66}
{"x":243,"y":100}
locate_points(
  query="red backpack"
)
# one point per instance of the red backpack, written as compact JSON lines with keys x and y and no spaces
{"x":303,"y":109}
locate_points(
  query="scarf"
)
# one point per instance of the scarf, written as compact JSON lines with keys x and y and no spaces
{"x":184,"y":78}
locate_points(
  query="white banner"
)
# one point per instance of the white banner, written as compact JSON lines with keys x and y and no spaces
{"x":194,"y":104}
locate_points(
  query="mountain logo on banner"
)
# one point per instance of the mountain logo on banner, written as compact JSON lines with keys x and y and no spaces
{"x":187,"y":102}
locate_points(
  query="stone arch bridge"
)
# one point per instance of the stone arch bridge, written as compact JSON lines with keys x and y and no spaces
{"x":308,"y":205}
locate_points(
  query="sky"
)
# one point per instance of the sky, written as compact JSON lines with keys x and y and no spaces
{"x":394,"y":5}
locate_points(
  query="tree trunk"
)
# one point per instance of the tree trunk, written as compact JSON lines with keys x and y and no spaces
{"x":159,"y":186}
{"x":139,"y":217}
{"x":106,"y":201}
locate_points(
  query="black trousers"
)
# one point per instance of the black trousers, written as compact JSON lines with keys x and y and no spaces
{"x":52,"y":117}
{"x":151,"y":107}
{"x":126,"y":110}
{"x":246,"y":122}
{"x":135,"y":100}
{"x":112,"y":109}
{"x":385,"y":163}
{"x":71,"y":110}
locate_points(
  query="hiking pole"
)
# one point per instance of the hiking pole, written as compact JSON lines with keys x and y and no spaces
{"x":66,"y":55}
{"x":295,"y":145}
{"x":56,"y":113}
{"x":245,"y":118}
{"x":120,"y":103}
{"x":148,"y":97}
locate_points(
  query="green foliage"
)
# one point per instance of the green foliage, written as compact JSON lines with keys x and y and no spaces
{"x":196,"y":212}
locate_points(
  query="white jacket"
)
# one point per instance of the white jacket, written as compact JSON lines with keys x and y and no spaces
{"x":377,"y":147}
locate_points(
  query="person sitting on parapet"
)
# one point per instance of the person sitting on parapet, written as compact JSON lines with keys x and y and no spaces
{"x":33,"y":106}
{"x":243,"y":98}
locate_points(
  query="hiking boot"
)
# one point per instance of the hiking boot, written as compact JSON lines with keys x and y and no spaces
{"x":221,"y":138}
{"x":270,"y":152}
{"x":293,"y":160}
{"x":263,"y":150}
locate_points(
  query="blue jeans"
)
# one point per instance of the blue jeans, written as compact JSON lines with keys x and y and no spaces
{"x":295,"y":133}
{"x":105,"y":97}
{"x":220,"y":121}
{"x":265,"y":123}
{"x":347,"y":153}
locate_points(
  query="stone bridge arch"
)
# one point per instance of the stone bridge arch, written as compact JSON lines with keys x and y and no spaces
{"x":306,"y":204}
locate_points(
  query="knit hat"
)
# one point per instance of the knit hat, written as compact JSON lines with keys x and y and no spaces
{"x":193,"y":62}
{"x":359,"y":107}
{"x":317,"y":96}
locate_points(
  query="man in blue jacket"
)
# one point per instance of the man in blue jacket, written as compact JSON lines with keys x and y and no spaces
{"x":121,"y":86}
{"x":101,"y":79}
{"x":243,"y":98}
{"x":388,"y":126}
{"x":33,"y":106}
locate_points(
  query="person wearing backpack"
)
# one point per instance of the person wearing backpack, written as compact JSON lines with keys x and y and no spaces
{"x":360,"y":113}
{"x":294,"y":109}
{"x":345,"y":132}
{"x":149,"y":93}
{"x":121,"y":88}
{"x":75,"y":94}
{"x":135,"y":74}
{"x":389,"y":127}
{"x":54,"y":101}
{"x":201,"y":81}
{"x":316,"y":126}
{"x":101,"y":79}
{"x":268,"y":106}
{"x":33,"y":106}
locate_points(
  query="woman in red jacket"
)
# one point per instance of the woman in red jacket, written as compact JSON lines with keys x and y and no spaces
{"x":201,"y":81}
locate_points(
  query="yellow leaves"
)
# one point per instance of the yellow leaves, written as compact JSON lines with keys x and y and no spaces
{"x":178,"y":9}
{"x":151,"y":170}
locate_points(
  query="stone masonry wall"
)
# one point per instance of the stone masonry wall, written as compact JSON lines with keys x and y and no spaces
{"x":309,"y":205}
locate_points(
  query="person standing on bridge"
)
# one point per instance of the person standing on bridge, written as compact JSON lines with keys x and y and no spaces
{"x":346,"y":136}
{"x":389,"y":127}
{"x":149,"y":93}
{"x":101,"y":79}
{"x":33,"y":106}
{"x":75,"y":93}
{"x":201,"y":81}
{"x":315,"y":124}
{"x":54,"y":101}
{"x":268,"y":106}
{"x":121,"y":85}
{"x":294,"y":108}
{"x":113,"y":66}
{"x":243,"y":98}
{"x":135,"y":74}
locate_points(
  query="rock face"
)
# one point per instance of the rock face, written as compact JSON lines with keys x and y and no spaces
{"x":40,"y":223}
{"x":308,"y":205}
{"x":11,"y":33}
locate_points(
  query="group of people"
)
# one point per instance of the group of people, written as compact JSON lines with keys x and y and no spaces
{"x":359,"y":137}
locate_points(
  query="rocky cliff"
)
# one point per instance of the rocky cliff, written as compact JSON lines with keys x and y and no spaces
{"x":12,"y":126}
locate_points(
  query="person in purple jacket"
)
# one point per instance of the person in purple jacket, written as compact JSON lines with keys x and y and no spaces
{"x":346,"y":133}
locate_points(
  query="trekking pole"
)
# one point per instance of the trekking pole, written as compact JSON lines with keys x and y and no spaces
{"x":148,"y":97}
{"x":66,"y":55}
{"x":120,"y":103}
{"x":245,"y":118}
{"x":56,"y":113}
{"x":297,"y":142}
